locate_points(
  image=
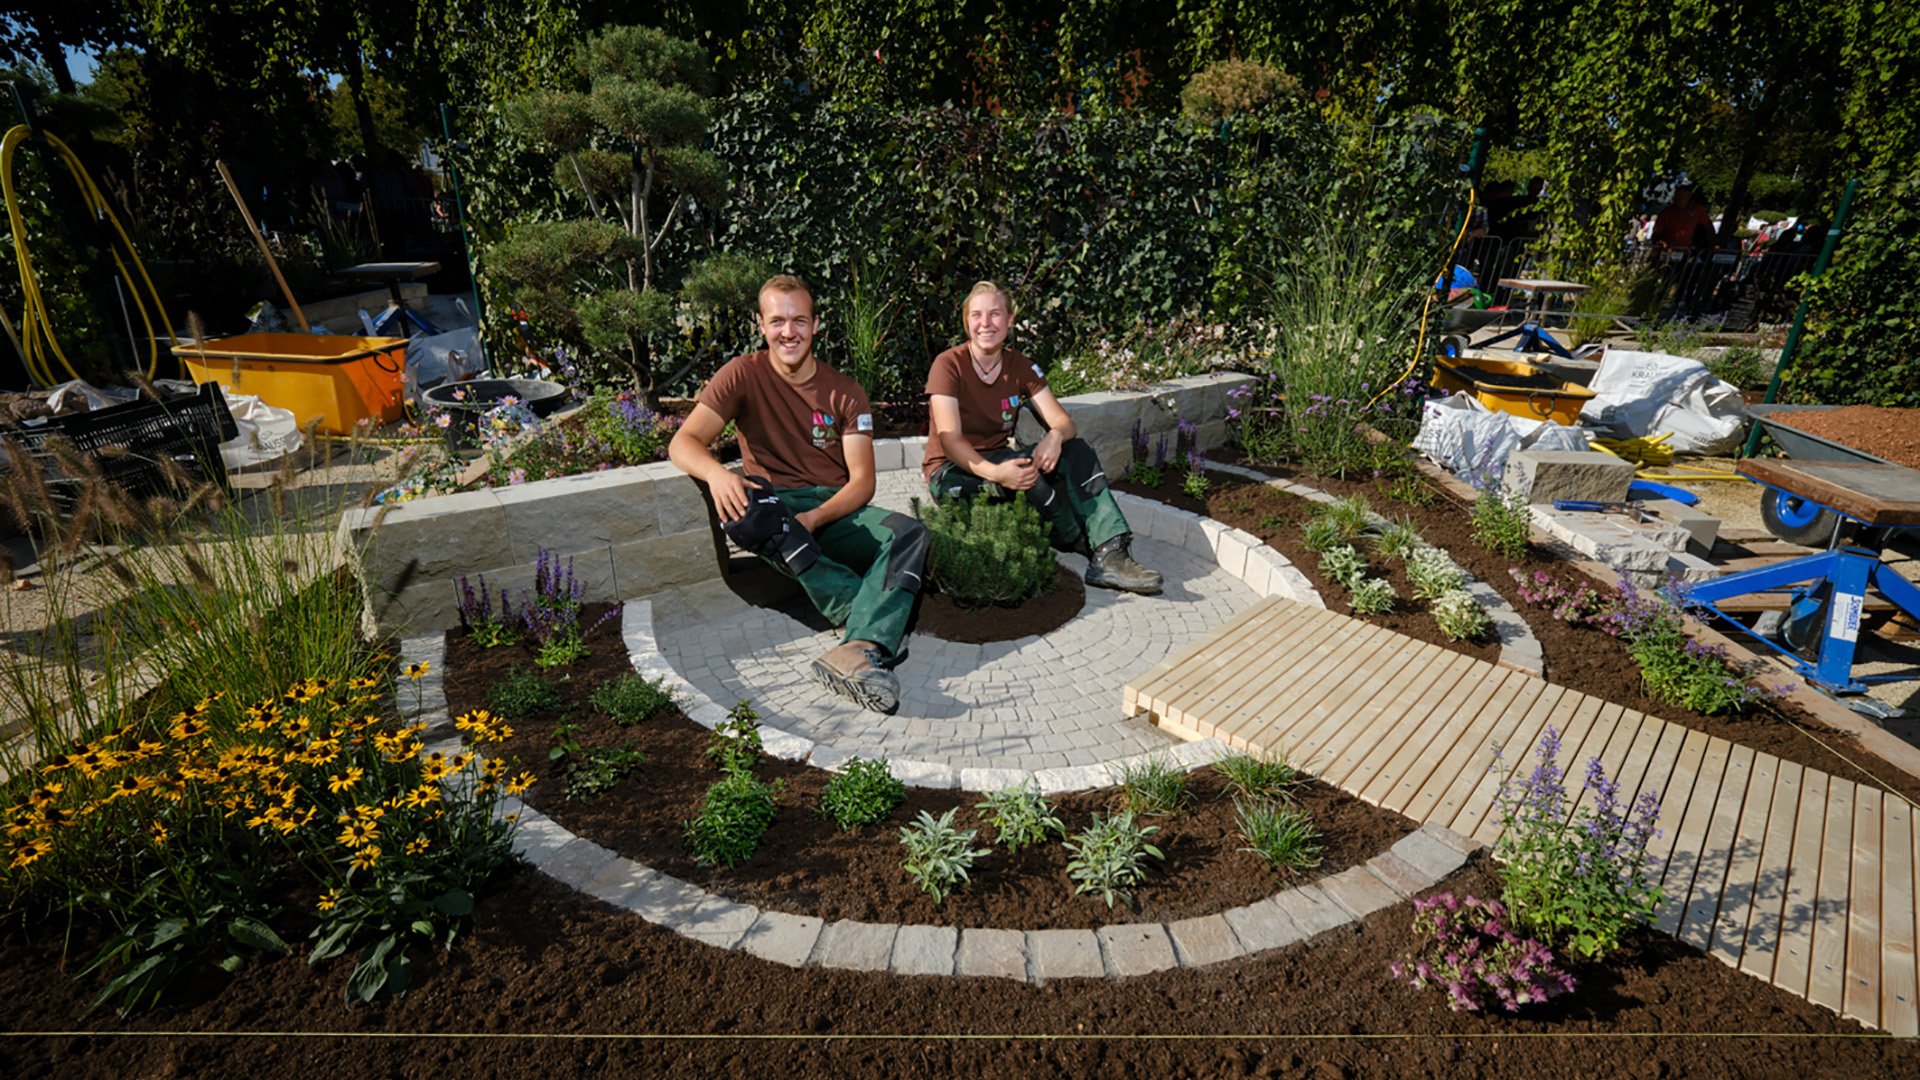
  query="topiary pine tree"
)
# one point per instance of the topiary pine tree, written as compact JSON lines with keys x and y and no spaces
{"x":628,"y":139}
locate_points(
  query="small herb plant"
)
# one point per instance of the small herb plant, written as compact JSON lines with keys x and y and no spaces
{"x":484,"y":627}
{"x":590,"y":770}
{"x":1110,"y":857}
{"x":735,"y":745}
{"x":1371,"y":596}
{"x":1501,"y":520}
{"x":1021,"y":816}
{"x":1344,"y":564}
{"x":867,"y":792}
{"x":1282,"y":835}
{"x":521,"y":694}
{"x":938,"y":855}
{"x":1460,"y":616}
{"x":1254,"y":776}
{"x":1582,"y":878}
{"x":734,"y":814}
{"x":1430,"y":574}
{"x":632,"y":698}
{"x":1152,"y":786}
{"x":1471,"y":952}
{"x":1581,"y":605}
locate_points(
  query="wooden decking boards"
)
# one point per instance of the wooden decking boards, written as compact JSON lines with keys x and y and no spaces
{"x":1784,"y":872}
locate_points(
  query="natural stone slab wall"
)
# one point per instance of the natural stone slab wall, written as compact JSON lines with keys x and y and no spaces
{"x":647,"y":528}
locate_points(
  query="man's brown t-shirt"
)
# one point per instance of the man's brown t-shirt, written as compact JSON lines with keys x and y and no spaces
{"x":988,"y":411}
{"x":790,"y":433}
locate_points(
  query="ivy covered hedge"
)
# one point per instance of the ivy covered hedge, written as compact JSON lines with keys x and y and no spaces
{"x":1096,"y":223}
{"x":1864,"y":315}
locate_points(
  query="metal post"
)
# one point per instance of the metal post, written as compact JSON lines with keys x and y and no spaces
{"x":1800,"y":314}
{"x":460,"y":212}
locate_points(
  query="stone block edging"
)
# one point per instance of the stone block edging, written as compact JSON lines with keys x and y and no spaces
{"x":1420,"y":860}
{"x":1520,"y":650}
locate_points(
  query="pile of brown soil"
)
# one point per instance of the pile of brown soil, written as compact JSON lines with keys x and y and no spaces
{"x":1893,"y":434}
{"x":939,"y":615}
{"x":806,"y":866}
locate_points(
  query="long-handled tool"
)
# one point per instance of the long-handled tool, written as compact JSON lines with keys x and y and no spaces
{"x":272,"y":263}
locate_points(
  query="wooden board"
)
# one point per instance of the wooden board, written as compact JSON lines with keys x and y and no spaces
{"x":1397,"y":779}
{"x":1250,"y":704}
{"x":1827,"y":974}
{"x":1305,"y":725}
{"x":1448,"y":770}
{"x":1716,"y":850}
{"x":1743,"y":866}
{"x":1261,"y":649}
{"x":1476,"y":780}
{"x":1761,"y":942}
{"x":1876,"y":494}
{"x":1690,"y":836}
{"x":1260,"y":610}
{"x":1314,"y":746}
{"x":1899,"y":987}
{"x":1861,"y":998}
{"x":1793,"y":962}
{"x":1515,"y":764}
{"x":1358,"y":754}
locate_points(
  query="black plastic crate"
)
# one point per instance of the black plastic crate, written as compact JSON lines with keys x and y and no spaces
{"x":130,"y":441}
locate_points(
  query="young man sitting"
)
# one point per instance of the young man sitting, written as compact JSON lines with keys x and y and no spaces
{"x":806,"y":441}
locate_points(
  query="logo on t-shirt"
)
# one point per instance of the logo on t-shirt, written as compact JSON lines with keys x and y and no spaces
{"x":863,"y":422}
{"x":1008,"y":407}
{"x":822,"y":430}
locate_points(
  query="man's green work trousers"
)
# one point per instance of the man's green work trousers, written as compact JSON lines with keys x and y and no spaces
{"x":862,"y":571}
{"x":1072,"y":499}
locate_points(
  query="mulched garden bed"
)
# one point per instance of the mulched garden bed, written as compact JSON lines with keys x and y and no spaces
{"x":548,"y":982}
{"x":806,"y":866}
{"x":1579,"y":658}
{"x":939,"y":615}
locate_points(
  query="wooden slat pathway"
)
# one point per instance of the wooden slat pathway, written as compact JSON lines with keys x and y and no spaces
{"x":1784,"y":872}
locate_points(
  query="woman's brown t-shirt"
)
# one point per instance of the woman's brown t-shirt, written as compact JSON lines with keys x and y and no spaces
{"x":988,"y":410}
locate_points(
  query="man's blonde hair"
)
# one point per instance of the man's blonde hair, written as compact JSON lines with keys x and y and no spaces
{"x":787,"y":283}
{"x":981,"y":288}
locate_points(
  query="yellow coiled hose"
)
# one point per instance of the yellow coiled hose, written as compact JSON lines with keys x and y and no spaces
{"x":38,"y":343}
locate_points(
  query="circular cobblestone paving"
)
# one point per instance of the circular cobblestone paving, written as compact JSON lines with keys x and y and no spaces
{"x":1043,"y":702}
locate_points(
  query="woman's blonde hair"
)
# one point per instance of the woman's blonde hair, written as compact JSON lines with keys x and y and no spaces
{"x":981,"y":288}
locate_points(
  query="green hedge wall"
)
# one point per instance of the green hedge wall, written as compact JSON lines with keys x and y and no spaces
{"x":1863,"y":317}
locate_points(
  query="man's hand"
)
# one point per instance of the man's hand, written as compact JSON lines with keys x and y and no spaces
{"x":1046,"y":456}
{"x":809,"y":520}
{"x":1017,"y":474}
{"x":729,"y":494}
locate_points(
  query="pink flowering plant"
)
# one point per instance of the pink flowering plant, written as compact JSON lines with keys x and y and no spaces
{"x":1580,"y":878}
{"x":1473,"y":953}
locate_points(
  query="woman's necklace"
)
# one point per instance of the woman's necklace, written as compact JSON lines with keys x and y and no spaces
{"x":989,"y":373}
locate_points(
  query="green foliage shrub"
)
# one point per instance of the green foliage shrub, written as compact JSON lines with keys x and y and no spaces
{"x":864,"y":794}
{"x":938,"y":855}
{"x":1110,"y":857}
{"x":1021,"y":816}
{"x":632,"y":698}
{"x":1227,"y":88}
{"x":734,"y":814}
{"x":988,"y":553}
{"x":1863,"y":316}
{"x":1502,"y":521}
{"x":521,"y":694}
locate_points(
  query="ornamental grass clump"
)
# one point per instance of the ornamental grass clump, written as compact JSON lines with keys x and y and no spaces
{"x":1021,"y":816}
{"x":1282,"y":835}
{"x":1152,"y":786}
{"x":1472,"y":953}
{"x":987,"y":553}
{"x":1397,"y":539}
{"x":866,"y":793}
{"x":1257,"y":776}
{"x":1581,"y":878}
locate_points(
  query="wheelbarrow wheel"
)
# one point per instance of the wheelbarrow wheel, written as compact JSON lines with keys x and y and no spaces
{"x":1796,"y":520}
{"x":1453,"y":345}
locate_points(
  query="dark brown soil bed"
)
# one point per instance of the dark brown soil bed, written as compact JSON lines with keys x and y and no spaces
{"x":550,"y":983}
{"x":806,"y":866}
{"x":1579,"y":658}
{"x":941,"y":616}
{"x":1893,"y":434}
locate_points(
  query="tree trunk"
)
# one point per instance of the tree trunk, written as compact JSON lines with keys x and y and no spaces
{"x":54,"y":56}
{"x":1750,"y":152}
{"x":362,"y":111}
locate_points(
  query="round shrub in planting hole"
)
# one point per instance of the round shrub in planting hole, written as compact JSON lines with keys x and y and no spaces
{"x":986,"y":552}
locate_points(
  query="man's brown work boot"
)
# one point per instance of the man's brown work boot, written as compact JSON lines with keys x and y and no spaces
{"x":853,"y":671}
{"x":1112,"y":567}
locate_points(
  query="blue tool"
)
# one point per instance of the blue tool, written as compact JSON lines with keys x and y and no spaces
{"x":1647,"y":489}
